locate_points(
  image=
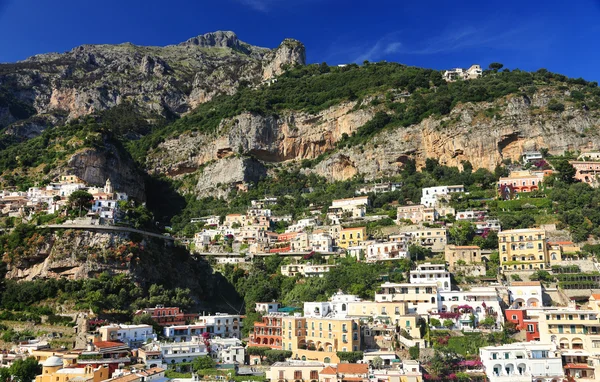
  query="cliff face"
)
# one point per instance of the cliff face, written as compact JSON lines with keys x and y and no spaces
{"x":290,"y":136}
{"x":483,"y":133}
{"x":467,"y":134}
{"x":96,"y":165}
{"x":76,"y":254}
{"x":170,"y":79}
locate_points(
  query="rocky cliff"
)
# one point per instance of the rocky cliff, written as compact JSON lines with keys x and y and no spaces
{"x":274,"y":138}
{"x":77,"y":254}
{"x":171,"y":79}
{"x":471,"y":132}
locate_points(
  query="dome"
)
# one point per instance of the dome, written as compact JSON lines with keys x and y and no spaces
{"x":53,"y":361}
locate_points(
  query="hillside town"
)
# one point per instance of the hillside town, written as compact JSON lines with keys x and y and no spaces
{"x":453,"y":294}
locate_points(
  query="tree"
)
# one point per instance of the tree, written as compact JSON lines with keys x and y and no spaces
{"x":462,"y":232}
{"x":25,"y":370}
{"x":566,"y":171}
{"x":448,"y":323}
{"x":377,"y":362}
{"x":555,"y":105}
{"x":488,"y":322}
{"x":80,"y":199}
{"x":203,"y":363}
{"x":495,"y":66}
{"x":435,"y":322}
{"x":414,"y":352}
{"x":541,"y":275}
{"x":273,"y":356}
{"x":417,"y":252}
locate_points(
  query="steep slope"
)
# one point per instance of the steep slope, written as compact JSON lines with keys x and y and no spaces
{"x":381,"y":115}
{"x":161,"y":80}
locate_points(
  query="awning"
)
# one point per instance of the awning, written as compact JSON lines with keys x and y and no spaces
{"x":578,"y":366}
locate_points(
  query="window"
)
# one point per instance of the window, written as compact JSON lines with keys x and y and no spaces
{"x":344,"y":338}
{"x":514,"y":316}
{"x":297,"y":374}
{"x":530,"y":328}
{"x":314,"y":374}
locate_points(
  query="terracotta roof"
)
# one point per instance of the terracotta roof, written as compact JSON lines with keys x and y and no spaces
{"x":128,"y":378}
{"x":525,"y":283}
{"x":353,"y":379}
{"x":353,"y":368}
{"x":329,"y":370}
{"x":152,"y":371}
{"x":107,"y":344}
{"x":596,"y":296}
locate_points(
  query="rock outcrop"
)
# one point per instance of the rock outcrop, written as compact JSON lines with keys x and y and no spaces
{"x":165,"y":80}
{"x":290,"y":136}
{"x":95,"y":166}
{"x":218,"y":178}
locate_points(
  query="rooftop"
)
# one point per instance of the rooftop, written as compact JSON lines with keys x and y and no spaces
{"x":353,"y":368}
{"x":525,"y":283}
{"x":297,"y":364}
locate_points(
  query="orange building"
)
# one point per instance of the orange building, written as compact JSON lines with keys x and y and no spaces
{"x":167,"y":316}
{"x":268,"y":332}
{"x":587,"y":171}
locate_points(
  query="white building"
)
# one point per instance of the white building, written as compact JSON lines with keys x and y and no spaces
{"x":223,"y":325}
{"x":181,"y":352}
{"x":336,"y":307}
{"x":267,"y":307}
{"x":525,"y":294}
{"x":487,"y":225}
{"x":207,"y":220}
{"x":391,"y":250}
{"x":432,"y":196}
{"x":183,"y":333}
{"x":306,"y":270}
{"x":481,"y":302}
{"x":379,"y":188}
{"x":522,"y":362}
{"x":431,"y":273}
{"x":132,"y":335}
{"x":318,"y":242}
{"x":532,"y":156}
{"x":301,"y":225}
{"x":421,"y":298}
{"x":227,"y":350}
{"x":474,"y":71}
{"x":350,"y":207}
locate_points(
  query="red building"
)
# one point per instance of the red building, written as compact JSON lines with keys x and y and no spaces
{"x":268,"y":332}
{"x":114,"y":354}
{"x":167,"y":316}
{"x":524,"y":323}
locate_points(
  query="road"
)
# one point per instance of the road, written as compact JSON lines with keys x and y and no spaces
{"x":93,"y":227}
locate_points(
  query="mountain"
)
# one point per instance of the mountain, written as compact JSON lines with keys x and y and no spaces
{"x":48,"y":88}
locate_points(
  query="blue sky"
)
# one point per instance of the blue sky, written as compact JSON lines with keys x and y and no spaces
{"x":562,"y":36}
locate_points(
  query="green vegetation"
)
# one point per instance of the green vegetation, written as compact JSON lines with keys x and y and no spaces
{"x":350,"y":356}
{"x":22,"y":370}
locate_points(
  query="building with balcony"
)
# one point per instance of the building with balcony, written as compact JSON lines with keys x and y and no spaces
{"x":306,"y":270}
{"x":432,"y":238}
{"x":165,"y":315}
{"x":183,"y":333}
{"x":576,"y":332}
{"x":181,"y":352}
{"x":421,"y":298}
{"x":525,"y":294}
{"x":111,"y":353}
{"x":337,"y":306}
{"x":462,"y":254}
{"x":522,"y":362}
{"x":434,"y":196}
{"x":416,"y":213}
{"x":431,"y":273}
{"x":227,"y":350}
{"x":53,"y":371}
{"x":222,"y":325}
{"x":587,"y":171}
{"x":390,"y":314}
{"x":350,"y":237}
{"x":531,"y":156}
{"x":518,"y":182}
{"x":292,"y":371}
{"x":268,"y":332}
{"x":523,"y":249}
{"x":133,"y":335}
{"x":524,"y":322}
{"x":477,"y":302}
{"x":391,"y":250}
{"x":319,"y":339}
{"x":267,"y":307}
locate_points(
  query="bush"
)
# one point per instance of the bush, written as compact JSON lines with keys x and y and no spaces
{"x":554,"y":105}
{"x":350,"y":356}
{"x":414,"y":352}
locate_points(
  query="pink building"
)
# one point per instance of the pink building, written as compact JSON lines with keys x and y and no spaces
{"x":587,"y":171}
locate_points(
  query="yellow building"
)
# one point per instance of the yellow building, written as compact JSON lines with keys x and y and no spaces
{"x":396,"y":313}
{"x":523,"y":249}
{"x":350,"y":237}
{"x":469,"y":254}
{"x":53,"y":371}
{"x":70,"y":179}
{"x":319,"y":339}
